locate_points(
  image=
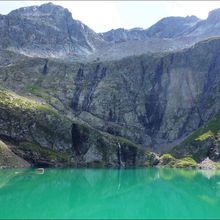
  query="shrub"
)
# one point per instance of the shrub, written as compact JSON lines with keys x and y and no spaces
{"x":167,"y":160}
{"x":186,"y":162}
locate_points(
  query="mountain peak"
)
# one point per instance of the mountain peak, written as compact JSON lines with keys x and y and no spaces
{"x":214,"y":15}
{"x":46,"y":9}
{"x":47,"y":30}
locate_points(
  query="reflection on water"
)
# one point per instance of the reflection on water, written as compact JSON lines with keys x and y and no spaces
{"x":208,"y":173}
{"x":102,"y":193}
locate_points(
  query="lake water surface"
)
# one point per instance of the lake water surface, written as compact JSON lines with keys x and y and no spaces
{"x":109,"y":194}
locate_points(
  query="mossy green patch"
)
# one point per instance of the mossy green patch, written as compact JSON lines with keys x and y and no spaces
{"x":211,"y":128}
{"x":126,"y":142}
{"x":205,"y":136}
{"x":15,"y":101}
{"x":52,"y":156}
{"x":34,"y":89}
{"x":217,"y":165}
{"x":195,"y":145}
{"x":167,"y":160}
{"x":186,"y":162}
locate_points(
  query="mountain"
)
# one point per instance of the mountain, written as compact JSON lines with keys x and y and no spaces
{"x":172,"y":27}
{"x":155,"y":100}
{"x":206,"y":28}
{"x":168,"y":34}
{"x":165,"y":28}
{"x":44,"y":137}
{"x":121,"y":35}
{"x":203,"y":141}
{"x":73,"y":97}
{"x":48,"y":31}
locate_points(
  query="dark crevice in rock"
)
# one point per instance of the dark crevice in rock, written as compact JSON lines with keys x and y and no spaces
{"x":143,"y":70}
{"x":128,"y":156}
{"x":9,"y":139}
{"x":94,"y":79}
{"x":75,"y":139}
{"x":78,"y":83}
{"x":153,"y":116}
{"x":45,"y":69}
{"x":80,"y":136}
{"x":43,"y":164}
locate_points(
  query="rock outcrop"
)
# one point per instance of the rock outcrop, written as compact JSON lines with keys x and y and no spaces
{"x":153,"y":100}
{"x":50,"y":31}
{"x":107,"y":111}
{"x":10,"y":159}
{"x":46,"y":31}
{"x":204,"y":142}
{"x":169,"y":27}
{"x":207,"y":164}
{"x":43,"y":137}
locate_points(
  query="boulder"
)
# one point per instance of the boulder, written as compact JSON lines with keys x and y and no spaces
{"x":207,"y":164}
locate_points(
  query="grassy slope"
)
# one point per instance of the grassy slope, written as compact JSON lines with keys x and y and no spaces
{"x":210,"y":130}
{"x":40,"y":112}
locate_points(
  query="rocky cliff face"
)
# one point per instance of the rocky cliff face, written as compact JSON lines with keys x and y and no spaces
{"x":168,"y":34}
{"x":205,"y":141}
{"x":121,"y":35}
{"x":44,"y":137}
{"x":153,"y":100}
{"x":206,"y":28}
{"x":105,"y":111}
{"x":50,"y":31}
{"x":47,"y":31}
{"x":10,"y":159}
{"x":170,"y":27}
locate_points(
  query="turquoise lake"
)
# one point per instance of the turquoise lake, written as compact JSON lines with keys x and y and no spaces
{"x":109,"y":194}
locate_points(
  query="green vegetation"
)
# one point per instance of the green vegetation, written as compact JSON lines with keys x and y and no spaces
{"x":15,"y":101}
{"x":34,"y":89}
{"x":126,"y":142}
{"x":195,"y":144}
{"x":186,"y":162}
{"x":40,"y":152}
{"x":43,"y":94}
{"x":167,"y":160}
{"x":170,"y":161}
{"x":205,"y":136}
{"x":211,"y":128}
{"x":217,"y":165}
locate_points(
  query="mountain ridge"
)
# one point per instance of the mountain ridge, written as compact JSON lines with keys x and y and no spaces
{"x":127,"y":98}
{"x":54,"y":33}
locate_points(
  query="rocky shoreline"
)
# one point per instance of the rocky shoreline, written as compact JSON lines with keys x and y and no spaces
{"x":9,"y":159}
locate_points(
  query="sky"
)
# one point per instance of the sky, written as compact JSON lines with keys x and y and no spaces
{"x":103,"y":16}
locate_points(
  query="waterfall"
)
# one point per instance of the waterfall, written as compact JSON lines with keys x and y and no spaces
{"x":121,"y":164}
